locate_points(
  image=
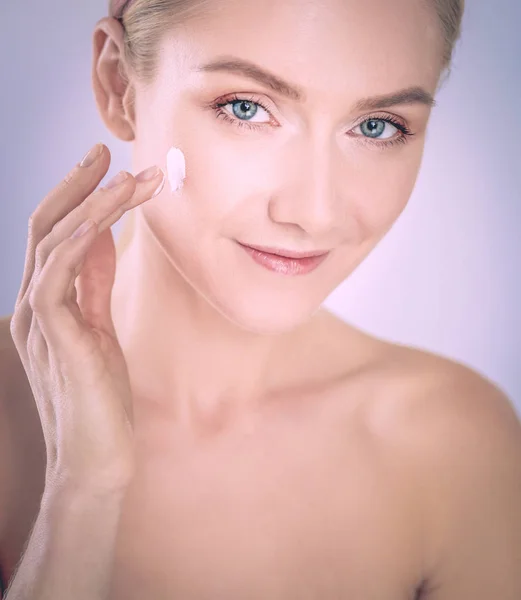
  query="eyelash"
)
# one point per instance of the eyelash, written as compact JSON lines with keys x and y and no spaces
{"x":405,"y":132}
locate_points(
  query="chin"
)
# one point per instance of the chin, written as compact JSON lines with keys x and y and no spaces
{"x":262,"y":314}
{"x":251,"y":297}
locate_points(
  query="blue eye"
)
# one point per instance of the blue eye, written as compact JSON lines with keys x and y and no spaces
{"x":244,"y":106}
{"x":375,"y":128}
{"x":244,"y":110}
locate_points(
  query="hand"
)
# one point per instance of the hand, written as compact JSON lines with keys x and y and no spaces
{"x":63,"y":329}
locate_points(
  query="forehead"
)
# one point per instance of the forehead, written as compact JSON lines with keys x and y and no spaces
{"x":324,"y":46}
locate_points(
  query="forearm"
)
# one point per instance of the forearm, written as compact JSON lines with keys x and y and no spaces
{"x":71,"y":548}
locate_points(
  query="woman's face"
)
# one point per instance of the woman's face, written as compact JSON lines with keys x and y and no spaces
{"x":268,"y":168}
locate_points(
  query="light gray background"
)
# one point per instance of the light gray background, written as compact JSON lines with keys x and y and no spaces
{"x":446,"y":277}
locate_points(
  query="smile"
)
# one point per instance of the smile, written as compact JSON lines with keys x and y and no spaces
{"x":284,"y":264}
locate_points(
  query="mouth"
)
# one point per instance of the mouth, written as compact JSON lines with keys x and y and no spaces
{"x":286,"y":262}
{"x":287,"y":253}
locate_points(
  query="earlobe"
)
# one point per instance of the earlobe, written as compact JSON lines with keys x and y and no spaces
{"x":113,"y":92}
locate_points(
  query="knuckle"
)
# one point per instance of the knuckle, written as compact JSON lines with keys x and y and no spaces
{"x":46,"y":262}
{"x":65,"y":185}
{"x":35,"y":223}
{"x":55,"y":227}
{"x":40,"y":255}
{"x":39,"y":298}
{"x":68,"y":179}
{"x":57,"y":258}
{"x":56,"y":232}
{"x":14,"y":325}
{"x":35,"y":300}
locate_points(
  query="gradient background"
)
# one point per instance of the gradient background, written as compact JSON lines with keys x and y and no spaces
{"x":445,"y":278}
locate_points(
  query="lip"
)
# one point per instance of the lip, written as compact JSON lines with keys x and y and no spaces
{"x":286,"y":253}
{"x":283,"y":264}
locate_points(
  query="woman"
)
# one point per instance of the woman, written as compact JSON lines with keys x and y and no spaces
{"x":186,"y":421}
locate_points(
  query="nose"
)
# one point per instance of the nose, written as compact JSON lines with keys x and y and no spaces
{"x":308,"y":197}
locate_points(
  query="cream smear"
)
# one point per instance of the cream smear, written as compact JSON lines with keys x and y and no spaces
{"x":176,"y":168}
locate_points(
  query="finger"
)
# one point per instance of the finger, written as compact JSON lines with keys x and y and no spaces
{"x":95,"y":282}
{"x":150,"y":183}
{"x":37,"y":346}
{"x":94,"y":207}
{"x":101,"y":207}
{"x":61,"y":326}
{"x":105,"y":205}
{"x":39,"y":365}
{"x":64,"y":228}
{"x":97,"y":276}
{"x":22,"y":339}
{"x":79,"y":183}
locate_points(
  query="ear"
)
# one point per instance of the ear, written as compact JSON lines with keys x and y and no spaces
{"x":113,"y":91}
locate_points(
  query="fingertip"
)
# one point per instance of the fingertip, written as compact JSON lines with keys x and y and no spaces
{"x":91,"y":157}
{"x":161,"y":185}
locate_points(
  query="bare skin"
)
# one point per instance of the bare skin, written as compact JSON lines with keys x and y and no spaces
{"x":282,"y":453}
{"x":301,"y":500}
{"x":321,"y":494}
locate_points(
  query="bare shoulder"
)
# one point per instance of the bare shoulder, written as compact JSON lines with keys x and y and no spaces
{"x":22,"y":452}
{"x":404,"y":387}
{"x":461,"y":435}
{"x":438,"y":408}
{"x":453,"y":440}
{"x":418,"y":384}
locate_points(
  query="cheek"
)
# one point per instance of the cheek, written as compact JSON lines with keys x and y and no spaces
{"x":222,"y":177}
{"x":215,"y":192}
{"x":381,"y":193}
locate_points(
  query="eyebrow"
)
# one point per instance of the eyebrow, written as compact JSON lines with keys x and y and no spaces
{"x":239,"y":66}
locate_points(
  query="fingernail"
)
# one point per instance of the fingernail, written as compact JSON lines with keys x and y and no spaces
{"x":83,"y":228}
{"x":91,"y":156}
{"x":160,"y":186}
{"x":147,"y":174}
{"x":115,"y":181}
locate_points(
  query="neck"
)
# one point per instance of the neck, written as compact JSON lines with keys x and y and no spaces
{"x":182,"y":354}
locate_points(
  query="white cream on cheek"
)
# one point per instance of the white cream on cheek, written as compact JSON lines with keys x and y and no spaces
{"x":176,"y":168}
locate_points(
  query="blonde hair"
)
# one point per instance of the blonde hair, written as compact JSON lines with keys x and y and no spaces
{"x":146,"y":21}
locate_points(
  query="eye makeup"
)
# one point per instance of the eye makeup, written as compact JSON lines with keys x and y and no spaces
{"x":403,"y":131}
